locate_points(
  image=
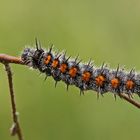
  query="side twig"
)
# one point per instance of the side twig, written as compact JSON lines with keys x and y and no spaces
{"x":15,"y":129}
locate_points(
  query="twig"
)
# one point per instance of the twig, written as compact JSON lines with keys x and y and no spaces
{"x":6,"y":59}
{"x":130,"y":100}
{"x":15,"y":129}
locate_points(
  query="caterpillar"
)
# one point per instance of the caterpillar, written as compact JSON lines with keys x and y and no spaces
{"x":85,"y":76}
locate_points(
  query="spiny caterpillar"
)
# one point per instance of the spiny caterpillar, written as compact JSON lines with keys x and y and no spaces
{"x":83,"y":76}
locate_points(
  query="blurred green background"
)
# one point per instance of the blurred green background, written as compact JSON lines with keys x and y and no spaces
{"x":104,"y":30}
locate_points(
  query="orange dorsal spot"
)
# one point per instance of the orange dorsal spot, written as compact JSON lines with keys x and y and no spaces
{"x":47,"y":59}
{"x":63,"y":68}
{"x":130,"y":84}
{"x":55,"y":63}
{"x":86,"y":76}
{"x":100,"y":80}
{"x":73,"y":72}
{"x":115,"y":82}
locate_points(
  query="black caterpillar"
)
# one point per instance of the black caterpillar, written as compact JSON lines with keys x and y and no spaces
{"x":83,"y":76}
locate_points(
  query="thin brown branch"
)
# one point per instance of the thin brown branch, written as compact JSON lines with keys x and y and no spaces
{"x":15,"y":130}
{"x":11,"y":59}
{"x":4,"y":58}
{"x":130,"y":100}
